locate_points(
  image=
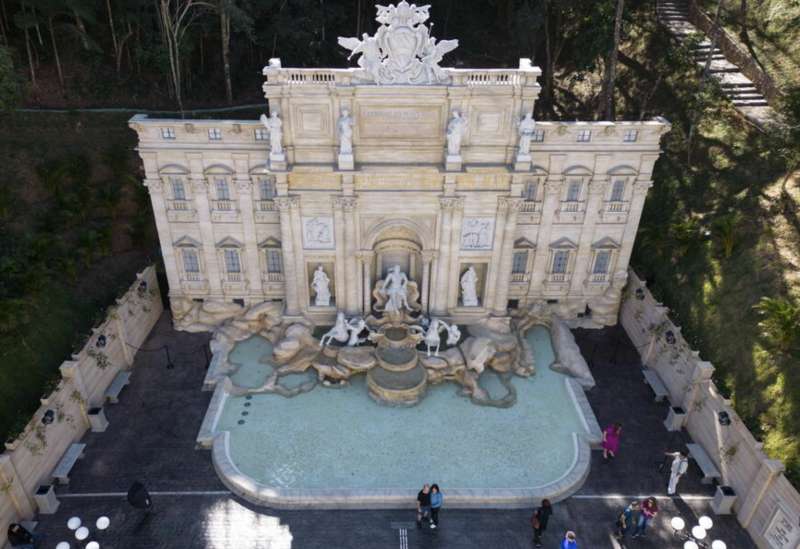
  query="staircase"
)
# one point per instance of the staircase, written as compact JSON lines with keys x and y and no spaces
{"x":740,"y":90}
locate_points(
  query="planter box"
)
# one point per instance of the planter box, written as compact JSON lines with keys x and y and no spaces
{"x":46,"y":500}
{"x":723,"y":501}
{"x":676,"y":418}
{"x":97,"y":419}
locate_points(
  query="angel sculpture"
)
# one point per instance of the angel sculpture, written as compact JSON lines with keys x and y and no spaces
{"x":370,"y":60}
{"x":432,"y":56}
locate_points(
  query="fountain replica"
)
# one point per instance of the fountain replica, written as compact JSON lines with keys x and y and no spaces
{"x":408,"y":205}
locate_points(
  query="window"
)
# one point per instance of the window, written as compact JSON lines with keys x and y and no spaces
{"x":261,"y":134}
{"x":519,"y":263}
{"x":190,"y":262}
{"x":574,"y":191}
{"x":560,"y":259}
{"x":215,"y":134}
{"x":531,"y":189}
{"x":167,"y":133}
{"x":601,"y":262}
{"x":538,"y":136}
{"x":178,"y":189}
{"x":266,"y":188}
{"x":274,"y":263}
{"x":618,"y":190}
{"x":630,"y":136}
{"x":223,"y":192}
{"x":232,"y":264}
{"x":584,"y":136}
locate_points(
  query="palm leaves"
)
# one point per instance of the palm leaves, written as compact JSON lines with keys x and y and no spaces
{"x":780,"y":322}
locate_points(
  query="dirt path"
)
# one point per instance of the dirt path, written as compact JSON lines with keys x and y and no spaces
{"x":783,"y":201}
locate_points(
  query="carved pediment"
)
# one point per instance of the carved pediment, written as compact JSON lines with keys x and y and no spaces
{"x":606,"y":243}
{"x":563,"y":243}
{"x":229,"y":242}
{"x":186,"y":242}
{"x":270,"y":242}
{"x":524,"y":243}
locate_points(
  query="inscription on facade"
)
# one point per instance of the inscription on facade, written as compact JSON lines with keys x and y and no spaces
{"x":403,"y":122}
{"x":782,"y":532}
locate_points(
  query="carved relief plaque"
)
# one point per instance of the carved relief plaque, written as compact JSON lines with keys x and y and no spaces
{"x":782,"y":532}
{"x":318,"y":233}
{"x":477,"y":233}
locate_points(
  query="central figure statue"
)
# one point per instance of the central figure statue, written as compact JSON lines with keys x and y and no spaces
{"x":395,"y":289}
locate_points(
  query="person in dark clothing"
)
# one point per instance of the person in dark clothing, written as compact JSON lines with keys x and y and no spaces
{"x":539,"y":521}
{"x":18,"y":536}
{"x":423,"y":505}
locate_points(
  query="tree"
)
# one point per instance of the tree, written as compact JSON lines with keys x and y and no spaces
{"x":9,"y":84}
{"x":611,"y":65}
{"x":229,"y":12}
{"x":25,"y":20}
{"x":780,"y":321}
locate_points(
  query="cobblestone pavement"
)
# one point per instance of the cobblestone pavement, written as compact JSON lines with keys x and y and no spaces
{"x":151,"y":439}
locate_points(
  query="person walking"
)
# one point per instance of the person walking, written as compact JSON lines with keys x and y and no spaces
{"x":680,"y":464}
{"x":539,"y":521}
{"x":649,"y":509}
{"x":570,"y":541}
{"x":423,"y":504}
{"x":437,"y":498}
{"x":611,"y":437}
{"x":626,"y":519}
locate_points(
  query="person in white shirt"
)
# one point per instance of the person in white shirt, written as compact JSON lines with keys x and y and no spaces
{"x":680,"y":463}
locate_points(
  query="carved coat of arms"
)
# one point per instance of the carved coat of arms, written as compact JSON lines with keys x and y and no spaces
{"x":402,"y":50}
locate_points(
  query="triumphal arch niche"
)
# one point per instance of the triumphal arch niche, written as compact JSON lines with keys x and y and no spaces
{"x":399,"y":162}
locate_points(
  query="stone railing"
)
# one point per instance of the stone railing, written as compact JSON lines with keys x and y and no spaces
{"x":30,"y":458}
{"x":767,"y":505}
{"x":736,"y":54}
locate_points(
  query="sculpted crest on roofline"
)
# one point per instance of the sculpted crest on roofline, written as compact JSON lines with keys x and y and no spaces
{"x":402,"y":50}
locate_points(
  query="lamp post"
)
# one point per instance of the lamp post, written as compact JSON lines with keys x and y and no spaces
{"x":697,"y":536}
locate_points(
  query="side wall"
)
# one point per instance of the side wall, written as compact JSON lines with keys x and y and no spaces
{"x":767,"y":505}
{"x":30,"y":459}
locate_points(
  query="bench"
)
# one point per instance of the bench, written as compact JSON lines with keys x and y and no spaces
{"x":655,"y":383}
{"x":73,"y":453}
{"x":119,"y":383}
{"x":710,"y":472}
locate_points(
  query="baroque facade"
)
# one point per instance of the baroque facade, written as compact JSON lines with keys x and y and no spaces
{"x":400,"y":162}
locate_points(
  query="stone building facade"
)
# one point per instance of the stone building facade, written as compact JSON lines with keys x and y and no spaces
{"x":238,"y":223}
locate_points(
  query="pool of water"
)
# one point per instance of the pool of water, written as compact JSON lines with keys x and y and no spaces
{"x":340,"y":438}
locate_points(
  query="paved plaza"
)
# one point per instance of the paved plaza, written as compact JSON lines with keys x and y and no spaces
{"x":152,"y":439}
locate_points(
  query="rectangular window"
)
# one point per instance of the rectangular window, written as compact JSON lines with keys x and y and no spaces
{"x":574,"y":191}
{"x":538,"y":136}
{"x":215,"y":134}
{"x":167,"y":133}
{"x":560,"y":259}
{"x":519,"y":263}
{"x":266,"y":188}
{"x":190,"y":261}
{"x":223,"y":192}
{"x":584,"y":136}
{"x":630,"y":136}
{"x":530,"y":190}
{"x":261,"y":134}
{"x":232,"y":264}
{"x":274,"y":263}
{"x":601,"y":262}
{"x":618,"y":190}
{"x":178,"y":190}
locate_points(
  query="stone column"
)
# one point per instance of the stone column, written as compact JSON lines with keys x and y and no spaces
{"x":204,"y":223}
{"x":455,"y":252}
{"x":244,"y":187}
{"x":339,"y":269}
{"x":284,"y":205}
{"x":14,"y":490}
{"x":353,"y":303}
{"x":493,"y":269}
{"x":583,"y":255}
{"x":366,"y":257}
{"x":439,"y":289}
{"x":427,"y":257}
{"x":504,"y":271}
{"x":302,"y":280}
{"x":552,"y":191}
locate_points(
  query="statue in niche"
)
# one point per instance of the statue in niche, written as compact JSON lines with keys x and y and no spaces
{"x":275,"y":127}
{"x":345,"y":125}
{"x":527,"y":127}
{"x":455,"y":131}
{"x":321,"y":287}
{"x":469,"y":284}
{"x":395,"y":290}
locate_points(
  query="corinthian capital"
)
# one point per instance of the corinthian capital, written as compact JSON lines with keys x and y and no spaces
{"x":346,"y":203}
{"x":429,"y":255}
{"x":451,"y":202}
{"x":507,"y":203}
{"x":284,"y":203}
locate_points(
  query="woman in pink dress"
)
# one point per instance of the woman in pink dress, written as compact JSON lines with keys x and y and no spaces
{"x":611,"y":440}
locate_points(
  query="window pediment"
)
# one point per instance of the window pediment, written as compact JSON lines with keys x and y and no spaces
{"x":524,"y":243}
{"x":186,"y":242}
{"x":229,"y":242}
{"x":606,"y":243}
{"x":623,"y":169}
{"x":563,"y":243}
{"x":173,"y":169}
{"x":218,"y":169}
{"x":270,"y":242}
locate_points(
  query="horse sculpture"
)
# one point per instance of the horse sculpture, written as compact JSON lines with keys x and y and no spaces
{"x":432,"y":338}
{"x":339,"y":332}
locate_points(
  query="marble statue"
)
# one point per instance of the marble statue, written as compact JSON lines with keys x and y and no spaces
{"x":275,"y":127}
{"x":455,"y":131}
{"x":402,"y":50}
{"x":453,"y":334}
{"x":355,"y":326}
{"x":469,"y":291}
{"x":526,"y":127}
{"x":395,"y":290}
{"x":339,"y":332}
{"x":345,"y":125}
{"x":321,"y":286}
{"x":432,"y":339}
